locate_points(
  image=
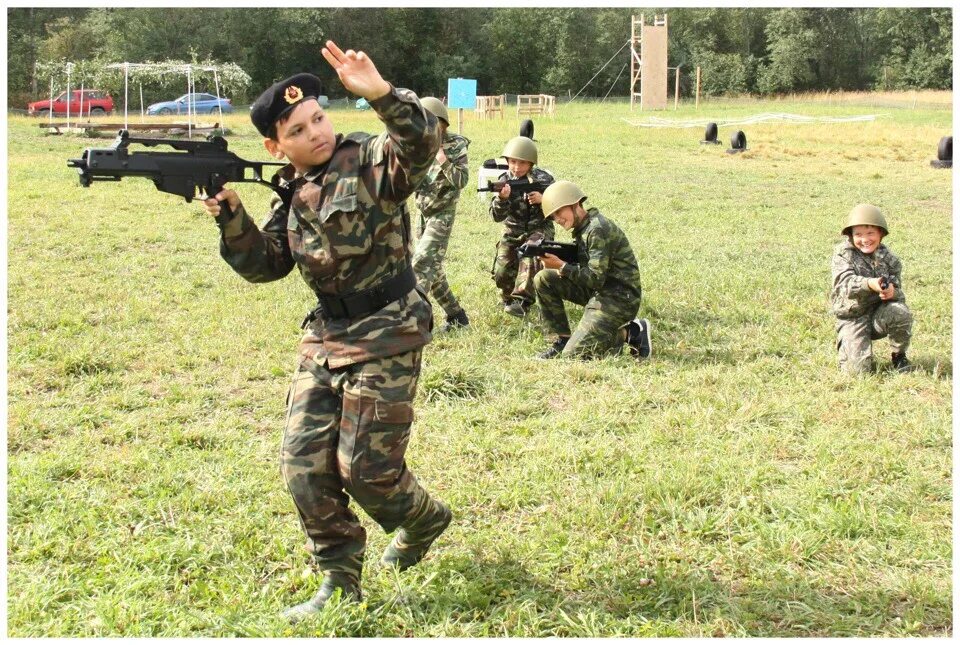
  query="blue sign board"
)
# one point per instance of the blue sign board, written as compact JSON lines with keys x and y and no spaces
{"x":462,"y":93}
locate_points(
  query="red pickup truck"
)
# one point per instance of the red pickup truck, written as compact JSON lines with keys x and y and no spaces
{"x":92,"y":102}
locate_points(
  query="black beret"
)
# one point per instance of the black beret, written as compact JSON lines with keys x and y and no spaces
{"x":281,"y":97}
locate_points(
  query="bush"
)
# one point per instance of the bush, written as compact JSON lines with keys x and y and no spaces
{"x":723,"y":74}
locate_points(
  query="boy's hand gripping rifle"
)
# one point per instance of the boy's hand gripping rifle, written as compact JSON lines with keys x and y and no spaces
{"x":538,"y":247}
{"x":517,"y":186}
{"x":204,"y":165}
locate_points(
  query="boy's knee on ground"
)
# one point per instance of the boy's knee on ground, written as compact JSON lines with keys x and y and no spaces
{"x":545,"y":279}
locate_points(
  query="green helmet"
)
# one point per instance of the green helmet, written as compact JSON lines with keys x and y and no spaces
{"x":521,"y":148}
{"x":865,"y":215}
{"x":435,"y":107}
{"x":559,"y":194}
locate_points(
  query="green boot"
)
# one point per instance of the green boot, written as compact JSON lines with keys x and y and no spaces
{"x":332,"y":580}
{"x":410,"y":545}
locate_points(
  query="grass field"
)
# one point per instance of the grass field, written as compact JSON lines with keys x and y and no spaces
{"x":734,"y":484}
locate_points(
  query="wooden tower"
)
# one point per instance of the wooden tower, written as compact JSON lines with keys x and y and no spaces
{"x":648,"y":63}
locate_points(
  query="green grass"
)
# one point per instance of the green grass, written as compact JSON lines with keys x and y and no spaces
{"x":735,"y":484}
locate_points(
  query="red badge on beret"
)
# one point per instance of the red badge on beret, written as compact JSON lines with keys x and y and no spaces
{"x":293,"y":94}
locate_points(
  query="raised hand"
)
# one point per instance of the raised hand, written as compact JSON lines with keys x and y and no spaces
{"x":356,"y":71}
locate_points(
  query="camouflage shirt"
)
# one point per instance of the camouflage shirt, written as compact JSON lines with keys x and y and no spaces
{"x":851,"y":268}
{"x":348,"y":229}
{"x":520,"y":218}
{"x":441,"y":188}
{"x":606,"y":261}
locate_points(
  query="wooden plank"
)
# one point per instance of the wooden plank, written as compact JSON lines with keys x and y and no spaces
{"x":653,"y":78}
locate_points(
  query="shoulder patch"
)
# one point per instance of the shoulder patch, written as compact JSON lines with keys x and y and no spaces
{"x":542,"y":175}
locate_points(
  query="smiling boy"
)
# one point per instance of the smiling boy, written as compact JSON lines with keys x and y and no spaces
{"x":867,"y":296}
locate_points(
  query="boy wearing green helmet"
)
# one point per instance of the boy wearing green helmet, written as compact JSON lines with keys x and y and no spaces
{"x":522,"y":217}
{"x":605,"y":280}
{"x":436,"y":198}
{"x":867,"y":296}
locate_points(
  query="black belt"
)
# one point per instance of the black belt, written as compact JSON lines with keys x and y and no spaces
{"x":364,"y":302}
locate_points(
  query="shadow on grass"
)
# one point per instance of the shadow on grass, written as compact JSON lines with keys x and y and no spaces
{"x":938,"y":367}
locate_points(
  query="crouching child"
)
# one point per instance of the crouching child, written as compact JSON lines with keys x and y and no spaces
{"x":605,"y":280}
{"x":867,"y":296}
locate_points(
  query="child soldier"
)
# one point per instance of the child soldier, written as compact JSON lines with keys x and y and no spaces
{"x":350,"y":404}
{"x":522,"y":216}
{"x":437,"y":200}
{"x":867,"y":294}
{"x":606,"y":280}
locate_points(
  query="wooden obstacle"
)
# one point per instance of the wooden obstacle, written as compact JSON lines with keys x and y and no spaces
{"x":536,"y":104}
{"x":133,"y":128}
{"x":487,"y":106}
{"x":648,"y":63}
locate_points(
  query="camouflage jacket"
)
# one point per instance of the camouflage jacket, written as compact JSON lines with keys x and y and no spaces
{"x":851,"y":269}
{"x":348,"y":229}
{"x":606,"y":261}
{"x":520,"y":218}
{"x":441,"y":188}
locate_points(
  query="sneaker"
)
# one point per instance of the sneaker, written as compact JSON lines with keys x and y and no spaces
{"x":900,"y":362}
{"x":408,"y":547}
{"x":555,"y":349}
{"x":517,"y":308}
{"x":638,"y":337}
{"x":457,"y":321}
{"x":347,"y":584}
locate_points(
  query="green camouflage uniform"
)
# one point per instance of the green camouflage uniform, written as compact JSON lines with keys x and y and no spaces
{"x":437,"y":199}
{"x":861,"y":316}
{"x":606,"y":280}
{"x":520,"y":219}
{"x":350,"y":405}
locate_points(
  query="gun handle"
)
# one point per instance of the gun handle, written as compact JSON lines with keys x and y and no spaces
{"x":226,"y":214}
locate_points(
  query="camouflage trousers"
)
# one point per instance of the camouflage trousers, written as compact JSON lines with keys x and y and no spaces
{"x":433,"y":237}
{"x":346,"y":434}
{"x":855,"y":337}
{"x":604,"y":315}
{"x":513,"y":275}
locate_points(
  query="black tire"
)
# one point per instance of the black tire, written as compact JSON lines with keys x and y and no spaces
{"x":945,"y":149}
{"x":213,"y":110}
{"x":164,"y":111}
{"x":710,"y":134}
{"x":526,"y":128}
{"x":97,"y":111}
{"x":738,"y":141}
{"x":43,"y":114}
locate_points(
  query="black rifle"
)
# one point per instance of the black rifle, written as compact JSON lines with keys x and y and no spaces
{"x":202,"y":165}
{"x":517,"y":186}
{"x":539,"y":247}
{"x":886,"y":281}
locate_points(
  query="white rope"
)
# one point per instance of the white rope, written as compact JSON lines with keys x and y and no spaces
{"x":768,"y":117}
{"x":597,"y":74}
{"x":614,"y":83}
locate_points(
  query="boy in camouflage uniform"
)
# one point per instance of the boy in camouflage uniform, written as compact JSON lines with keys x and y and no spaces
{"x":522,"y":217}
{"x":437,"y":200}
{"x":606,"y":280}
{"x":867,"y":296}
{"x":350,"y":404}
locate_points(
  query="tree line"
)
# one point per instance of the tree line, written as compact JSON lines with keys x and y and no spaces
{"x":528,"y":50}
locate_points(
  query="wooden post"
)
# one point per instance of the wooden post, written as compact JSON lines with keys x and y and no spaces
{"x":460,"y":121}
{"x":676,"y":90}
{"x":696,"y":104}
{"x":633,"y":40}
